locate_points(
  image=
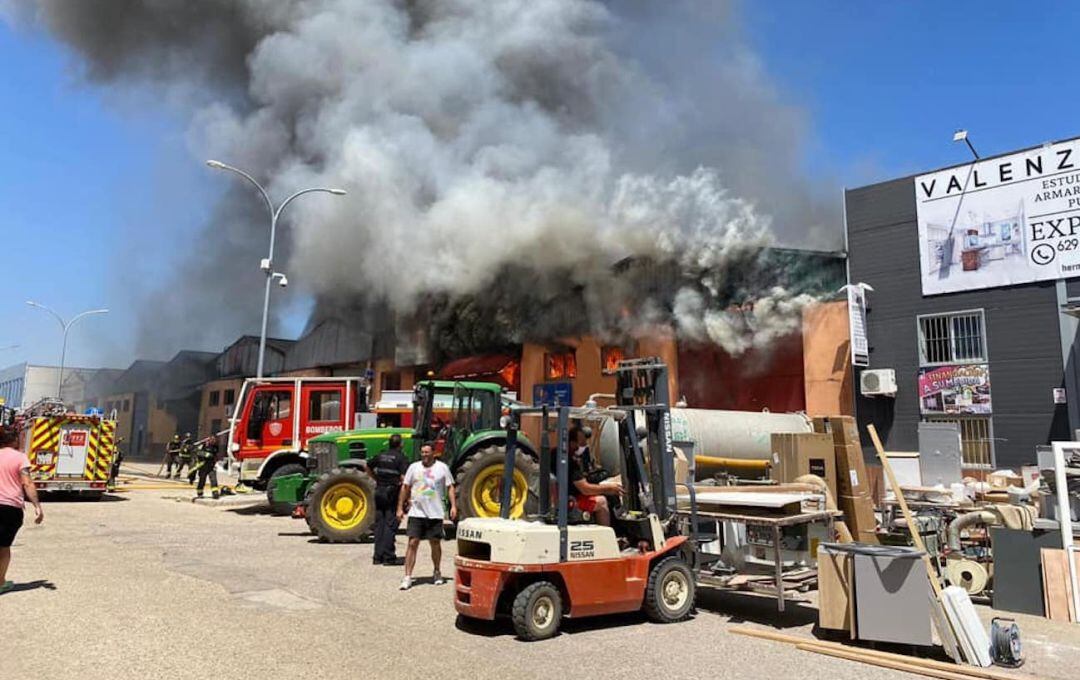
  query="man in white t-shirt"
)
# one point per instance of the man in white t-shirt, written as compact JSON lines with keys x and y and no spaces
{"x":427,"y":483}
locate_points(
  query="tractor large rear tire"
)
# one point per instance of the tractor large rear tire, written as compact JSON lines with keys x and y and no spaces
{"x":669,"y":596}
{"x":479,"y":481}
{"x":278,"y":507}
{"x":341,"y":506}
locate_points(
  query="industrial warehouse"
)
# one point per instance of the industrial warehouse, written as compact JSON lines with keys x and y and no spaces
{"x":532,"y":337}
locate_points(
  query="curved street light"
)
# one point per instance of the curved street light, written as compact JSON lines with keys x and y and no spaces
{"x":66,"y":326}
{"x":267,"y":265}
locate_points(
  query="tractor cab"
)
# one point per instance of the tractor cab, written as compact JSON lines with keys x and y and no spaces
{"x":447,"y":413}
{"x":557,"y":562}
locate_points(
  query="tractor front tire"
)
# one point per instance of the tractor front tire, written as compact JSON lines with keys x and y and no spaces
{"x":278,"y":507}
{"x":479,"y":483}
{"x":669,"y":596}
{"x":341,"y":506}
{"x":537,"y":611}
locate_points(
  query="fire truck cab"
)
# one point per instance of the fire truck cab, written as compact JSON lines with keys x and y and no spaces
{"x":275,"y":418}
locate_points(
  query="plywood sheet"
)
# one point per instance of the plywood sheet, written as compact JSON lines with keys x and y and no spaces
{"x":834,"y":590}
{"x":1055,"y":584}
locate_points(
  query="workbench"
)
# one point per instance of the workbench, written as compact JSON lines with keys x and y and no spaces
{"x":776,"y":523}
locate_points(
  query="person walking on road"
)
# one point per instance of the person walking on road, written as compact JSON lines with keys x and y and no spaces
{"x":16,"y":488}
{"x":427,"y":482}
{"x":388,"y":470}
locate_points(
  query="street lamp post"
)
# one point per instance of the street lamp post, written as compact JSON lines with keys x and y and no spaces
{"x":267,"y":265}
{"x":66,"y":326}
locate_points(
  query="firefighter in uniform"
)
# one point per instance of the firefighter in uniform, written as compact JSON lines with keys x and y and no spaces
{"x":388,"y":470}
{"x":206,"y":466}
{"x":187,"y":453}
{"x":172,"y":456}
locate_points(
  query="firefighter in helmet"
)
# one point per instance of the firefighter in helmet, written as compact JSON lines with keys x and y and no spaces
{"x":172,"y":456}
{"x":187,"y":454}
{"x":206,"y":465}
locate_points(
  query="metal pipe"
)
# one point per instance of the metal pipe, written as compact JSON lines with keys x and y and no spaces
{"x":963,"y":521}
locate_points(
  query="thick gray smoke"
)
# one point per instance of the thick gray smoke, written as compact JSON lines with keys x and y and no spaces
{"x":478,"y":141}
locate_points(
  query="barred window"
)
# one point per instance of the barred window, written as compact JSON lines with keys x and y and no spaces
{"x":955,"y":338}
{"x":976,"y":439}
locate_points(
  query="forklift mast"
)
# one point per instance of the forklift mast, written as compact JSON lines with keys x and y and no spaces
{"x":642,"y":389}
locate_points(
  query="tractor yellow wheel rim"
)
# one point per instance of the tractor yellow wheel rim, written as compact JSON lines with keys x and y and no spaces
{"x":487,"y":492}
{"x":343,"y":506}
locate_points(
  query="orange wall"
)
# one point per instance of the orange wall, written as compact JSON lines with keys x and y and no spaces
{"x":827,"y":359}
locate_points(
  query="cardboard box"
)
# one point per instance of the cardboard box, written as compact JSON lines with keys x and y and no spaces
{"x":843,"y":428}
{"x":852,"y":478}
{"x":804,"y":453}
{"x":859,"y":515}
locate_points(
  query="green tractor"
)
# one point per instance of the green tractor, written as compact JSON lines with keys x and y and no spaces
{"x":464,"y":422}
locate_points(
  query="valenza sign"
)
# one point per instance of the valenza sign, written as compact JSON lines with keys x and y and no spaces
{"x":1002,"y":221}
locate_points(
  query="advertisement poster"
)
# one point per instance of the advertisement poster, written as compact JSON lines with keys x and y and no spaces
{"x":553,"y":394}
{"x":1002,"y":221}
{"x":955,"y":389}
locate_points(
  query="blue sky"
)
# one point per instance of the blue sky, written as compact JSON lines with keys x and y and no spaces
{"x":87,"y":177}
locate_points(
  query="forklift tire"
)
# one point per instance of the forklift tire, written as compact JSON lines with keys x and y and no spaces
{"x":537,"y":611}
{"x":341,"y":506}
{"x":669,"y":596}
{"x":277,"y":507}
{"x":479,"y":480}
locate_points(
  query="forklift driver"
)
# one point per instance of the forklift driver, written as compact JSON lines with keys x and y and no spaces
{"x":588,"y":497}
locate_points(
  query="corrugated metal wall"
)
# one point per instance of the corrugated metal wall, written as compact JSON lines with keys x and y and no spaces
{"x":1021,"y":330}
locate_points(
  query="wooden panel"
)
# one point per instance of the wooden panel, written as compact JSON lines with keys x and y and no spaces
{"x":834,"y":590}
{"x":1055,"y":584}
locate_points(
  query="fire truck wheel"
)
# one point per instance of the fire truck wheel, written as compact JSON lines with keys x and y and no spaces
{"x":479,"y":483}
{"x":277,"y":507}
{"x":669,"y":596}
{"x":537,"y":611}
{"x":341,"y":507}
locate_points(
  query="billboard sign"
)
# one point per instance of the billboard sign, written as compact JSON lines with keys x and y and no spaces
{"x":957,"y":389}
{"x":1001,"y":221}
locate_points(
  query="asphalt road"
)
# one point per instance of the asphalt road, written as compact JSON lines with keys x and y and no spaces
{"x":145,"y":585}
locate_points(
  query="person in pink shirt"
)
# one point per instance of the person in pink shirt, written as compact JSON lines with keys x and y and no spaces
{"x":16,"y":488}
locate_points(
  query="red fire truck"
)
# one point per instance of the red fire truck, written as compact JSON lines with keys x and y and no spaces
{"x":275,"y":417}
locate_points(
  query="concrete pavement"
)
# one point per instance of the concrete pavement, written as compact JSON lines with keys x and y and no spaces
{"x":141,"y":585}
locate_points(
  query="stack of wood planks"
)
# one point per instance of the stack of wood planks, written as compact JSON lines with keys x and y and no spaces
{"x":899,"y":662}
{"x":1057,"y":590}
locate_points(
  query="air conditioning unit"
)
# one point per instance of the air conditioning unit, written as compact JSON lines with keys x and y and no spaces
{"x":880,"y":382}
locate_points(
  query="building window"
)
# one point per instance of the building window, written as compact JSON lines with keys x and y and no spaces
{"x":127,"y":405}
{"x":610,"y":357}
{"x":390,"y":380}
{"x":230,"y":397}
{"x":160,"y":403}
{"x":959,"y":338}
{"x":325,"y":406}
{"x":215,"y":398}
{"x":560,"y":365}
{"x":976,"y":438}
{"x":215,"y":426}
{"x":954,"y":338}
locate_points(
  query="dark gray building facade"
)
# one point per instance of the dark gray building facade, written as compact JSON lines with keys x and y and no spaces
{"x":1021,"y":333}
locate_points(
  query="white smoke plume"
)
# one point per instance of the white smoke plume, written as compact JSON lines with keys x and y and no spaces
{"x":476,"y":138}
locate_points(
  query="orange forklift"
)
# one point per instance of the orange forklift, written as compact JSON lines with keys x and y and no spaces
{"x":539,"y":569}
